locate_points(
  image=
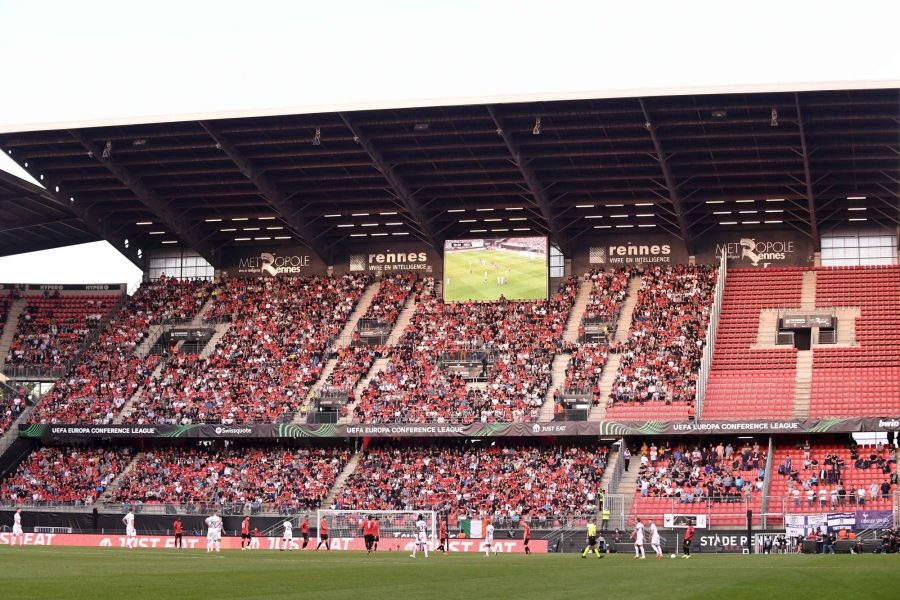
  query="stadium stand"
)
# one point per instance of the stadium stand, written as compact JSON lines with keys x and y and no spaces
{"x":657,"y":376}
{"x":863,"y":380}
{"x":826,"y":476}
{"x":283,"y":479}
{"x":543,"y":482}
{"x":67,"y":475}
{"x":52,"y":328}
{"x":521,"y":338}
{"x":263,"y":368}
{"x":391,"y":296}
{"x":109,"y":372}
{"x":748,"y":381}
{"x":721,"y":479}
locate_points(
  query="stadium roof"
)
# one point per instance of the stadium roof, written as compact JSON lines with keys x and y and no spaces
{"x":684,"y":164}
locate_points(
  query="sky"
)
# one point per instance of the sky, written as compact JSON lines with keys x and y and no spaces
{"x":91,"y":61}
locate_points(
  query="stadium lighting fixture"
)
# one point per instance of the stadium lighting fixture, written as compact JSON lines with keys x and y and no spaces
{"x":478,"y":231}
{"x":492,"y":220}
{"x":144,"y":223}
{"x":499,"y":230}
{"x":331,"y":216}
{"x":484,"y":210}
{"x":456,"y":210}
{"x":857,"y":208}
{"x":228,"y":229}
{"x":624,"y":226}
{"x":614,"y":205}
{"x":773,"y":222}
{"x":744,"y":201}
{"x":644,"y":215}
{"x":282,"y":237}
{"x":212,"y":220}
{"x":649,"y":225}
{"x":722,"y":212}
{"x":747,"y":212}
{"x":727,"y":222}
{"x":514,"y":208}
{"x":262,"y":238}
{"x":750,"y":222}
{"x":602,"y":226}
{"x":274,"y":228}
{"x":359,"y":235}
{"x":242,"y":239}
{"x":468,"y":220}
{"x":378,"y":234}
{"x":170,"y":241}
{"x":863,"y":219}
{"x":240,"y":219}
{"x":343,"y":225}
{"x":393,"y":223}
{"x":618,"y":216}
{"x":774,"y":199}
{"x":317,"y":138}
{"x":400,"y":233}
{"x":157,"y":233}
{"x":421,"y":127}
{"x":519,"y":219}
{"x":387,"y":213}
{"x":715,"y":202}
{"x":584,"y":206}
{"x":369,"y":225}
{"x":644,"y":204}
{"x":267,"y":218}
{"x":359,"y":214}
{"x":593,"y":216}
{"x":537,"y":126}
{"x":521,"y":228}
{"x":251,"y":228}
{"x":848,"y":197}
{"x":776,"y":210}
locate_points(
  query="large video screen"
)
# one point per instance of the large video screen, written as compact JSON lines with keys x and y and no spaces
{"x":485,"y":269}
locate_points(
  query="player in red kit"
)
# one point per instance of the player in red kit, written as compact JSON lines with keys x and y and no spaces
{"x":686,"y":544}
{"x":245,"y":533}
{"x":369,"y":533}
{"x":442,"y":536}
{"x":304,"y":531}
{"x":178,"y":528}
{"x":323,"y":535}
{"x":377,"y":535}
{"x":526,"y":537}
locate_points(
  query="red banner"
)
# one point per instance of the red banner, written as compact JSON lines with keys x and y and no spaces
{"x":265,"y":543}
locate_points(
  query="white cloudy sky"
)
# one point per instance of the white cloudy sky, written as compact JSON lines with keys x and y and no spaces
{"x":94,"y":60}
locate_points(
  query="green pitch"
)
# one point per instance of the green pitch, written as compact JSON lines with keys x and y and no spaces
{"x":472,"y":275}
{"x":43,"y":572}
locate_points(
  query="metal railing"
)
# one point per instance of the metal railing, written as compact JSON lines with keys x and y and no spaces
{"x":711,"y":331}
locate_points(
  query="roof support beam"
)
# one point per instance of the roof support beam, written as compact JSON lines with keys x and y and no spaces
{"x":279,"y":201}
{"x":158,"y":205}
{"x":400,"y":189}
{"x":537,"y":191}
{"x":93,"y":221}
{"x":671,"y":184}
{"x":810,"y":195}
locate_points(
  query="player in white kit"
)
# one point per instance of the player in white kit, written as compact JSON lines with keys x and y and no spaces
{"x":421,"y":537}
{"x":654,"y":540}
{"x":638,"y":537}
{"x":288,"y":536}
{"x":130,"y":531}
{"x":214,"y":532}
{"x":489,"y":539}
{"x":17,"y":529}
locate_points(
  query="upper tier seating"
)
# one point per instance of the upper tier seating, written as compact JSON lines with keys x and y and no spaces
{"x":863,"y":380}
{"x":522,"y":336}
{"x":109,"y":371}
{"x":263,"y":368}
{"x":750,"y":382}
{"x":657,"y":376}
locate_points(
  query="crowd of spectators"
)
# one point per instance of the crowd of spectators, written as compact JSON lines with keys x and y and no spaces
{"x":110,"y":371}
{"x":71,"y":475}
{"x":661,"y":358}
{"x":52,"y":328}
{"x":522,"y":338}
{"x":265,"y":365}
{"x":500,"y":481}
{"x":13,"y":400}
{"x":391,"y":296}
{"x":262,"y":477}
{"x":608,"y":292}
{"x":718,"y":472}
